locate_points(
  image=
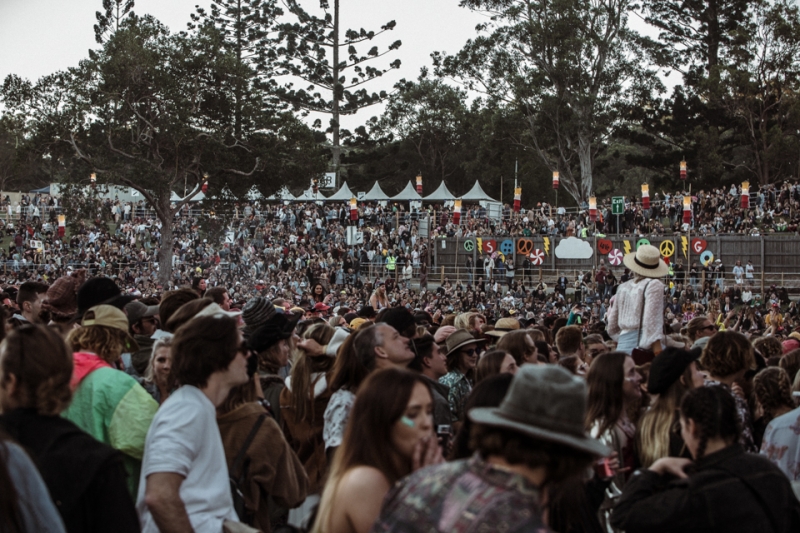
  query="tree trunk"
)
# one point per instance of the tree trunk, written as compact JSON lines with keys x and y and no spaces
{"x":337,"y":92}
{"x":165,"y":247}
{"x":585,"y":159}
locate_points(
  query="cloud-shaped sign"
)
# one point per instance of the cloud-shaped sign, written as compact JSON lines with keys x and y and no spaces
{"x":573,"y":248}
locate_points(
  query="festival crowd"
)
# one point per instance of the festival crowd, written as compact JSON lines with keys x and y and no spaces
{"x":204,"y":406}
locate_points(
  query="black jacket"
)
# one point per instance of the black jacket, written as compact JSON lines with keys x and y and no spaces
{"x":728,"y":491}
{"x":85,"y":477}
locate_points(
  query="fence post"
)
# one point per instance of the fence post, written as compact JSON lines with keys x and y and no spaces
{"x":441,"y":281}
{"x":763,"y":268}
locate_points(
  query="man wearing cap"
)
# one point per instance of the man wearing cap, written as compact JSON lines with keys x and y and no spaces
{"x":109,"y":404}
{"x":142,"y":322}
{"x":534,"y":439}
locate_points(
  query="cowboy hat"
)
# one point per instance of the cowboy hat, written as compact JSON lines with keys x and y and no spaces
{"x":646,"y":261}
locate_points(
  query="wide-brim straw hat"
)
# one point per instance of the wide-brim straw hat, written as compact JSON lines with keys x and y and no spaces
{"x":503,"y":326}
{"x":646,"y":261}
{"x":545,"y":402}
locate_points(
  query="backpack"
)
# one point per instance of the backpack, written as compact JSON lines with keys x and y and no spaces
{"x":238,"y":474}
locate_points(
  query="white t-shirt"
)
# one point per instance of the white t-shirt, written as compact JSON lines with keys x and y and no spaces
{"x":184,"y":439}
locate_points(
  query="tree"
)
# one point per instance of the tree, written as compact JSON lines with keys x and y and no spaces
{"x":761,"y":83}
{"x":566,"y":65}
{"x":116,"y":11}
{"x":153,"y":110}
{"x":431,"y":116}
{"x":248,"y":31}
{"x":307,"y":44}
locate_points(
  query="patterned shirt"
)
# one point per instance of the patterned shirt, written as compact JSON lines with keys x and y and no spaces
{"x":781,"y":443}
{"x":467,"y":496}
{"x":460,"y":387}
{"x":336,"y":415}
{"x":743,"y":410}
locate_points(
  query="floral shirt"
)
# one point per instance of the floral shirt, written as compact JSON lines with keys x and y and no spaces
{"x":781,"y":443}
{"x":466,"y":496}
{"x":335,"y":417}
{"x":743,"y":410}
{"x":460,"y":387}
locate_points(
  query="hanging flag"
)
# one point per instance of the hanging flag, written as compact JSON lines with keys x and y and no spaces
{"x":555,"y":180}
{"x":745,"y":195}
{"x":592,"y":209}
{"x":687,"y":209}
{"x":204,"y":187}
{"x":517,"y":198}
{"x":419,"y":183}
{"x":93,"y":179}
{"x":353,"y":209}
{"x":457,"y":212}
{"x":645,"y":196}
{"x":62,"y":225}
{"x":683,"y":170}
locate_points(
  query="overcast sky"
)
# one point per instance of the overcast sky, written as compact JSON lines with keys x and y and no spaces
{"x":38,"y":37}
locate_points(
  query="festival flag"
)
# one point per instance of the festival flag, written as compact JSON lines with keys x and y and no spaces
{"x":62,"y":225}
{"x":687,"y":209}
{"x":645,"y":196}
{"x":683,"y":170}
{"x":517,"y":198}
{"x":555,"y":180}
{"x":204,"y":187}
{"x":745,"y":195}
{"x":419,"y":183}
{"x":93,"y":179}
{"x":593,"y":209}
{"x":457,"y":212}
{"x":353,"y":209}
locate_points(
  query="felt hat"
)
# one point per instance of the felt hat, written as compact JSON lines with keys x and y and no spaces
{"x":545,"y":402}
{"x":503,"y":326}
{"x":459,"y":339}
{"x":668,"y":367}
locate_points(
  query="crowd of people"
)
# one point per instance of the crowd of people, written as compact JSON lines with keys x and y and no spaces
{"x":188,"y":408}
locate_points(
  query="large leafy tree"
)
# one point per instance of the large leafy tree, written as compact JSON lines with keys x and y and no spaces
{"x":326,"y":58}
{"x":566,"y":65}
{"x":154,"y":111}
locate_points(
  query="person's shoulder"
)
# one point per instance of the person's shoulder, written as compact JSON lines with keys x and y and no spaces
{"x":363,"y":479}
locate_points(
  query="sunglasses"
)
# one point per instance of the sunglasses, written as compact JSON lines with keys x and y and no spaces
{"x":470,"y":351}
{"x":711,"y":327}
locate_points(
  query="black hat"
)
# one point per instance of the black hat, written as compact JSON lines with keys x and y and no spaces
{"x":399,"y":318}
{"x":668,"y":367}
{"x":277,"y":328}
{"x":367,"y":311}
{"x":96,"y":291}
{"x":257,"y":312}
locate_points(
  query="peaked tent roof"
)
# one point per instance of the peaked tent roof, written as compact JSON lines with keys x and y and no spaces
{"x":309,"y":196}
{"x":441,"y":194}
{"x":476,"y":193}
{"x":282,"y":194}
{"x":376,"y":193}
{"x":344,"y":194}
{"x":408,"y":193}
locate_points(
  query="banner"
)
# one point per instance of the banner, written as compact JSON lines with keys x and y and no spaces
{"x":645,"y":196}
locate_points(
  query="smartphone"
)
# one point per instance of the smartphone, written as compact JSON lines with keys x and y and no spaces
{"x":443,"y":432}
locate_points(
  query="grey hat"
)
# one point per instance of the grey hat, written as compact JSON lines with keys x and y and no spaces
{"x":136,"y":311}
{"x":257,"y":312}
{"x":546,"y":402}
{"x":460,"y":338}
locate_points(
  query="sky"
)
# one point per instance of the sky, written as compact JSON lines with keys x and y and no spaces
{"x":39,"y":37}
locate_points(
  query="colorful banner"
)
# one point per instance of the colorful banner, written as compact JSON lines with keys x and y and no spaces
{"x":555,"y":179}
{"x":457,"y":212}
{"x":517,"y":199}
{"x":353,"y":209}
{"x":645,"y":196}
{"x":745,"y":195}
{"x":419,"y":184}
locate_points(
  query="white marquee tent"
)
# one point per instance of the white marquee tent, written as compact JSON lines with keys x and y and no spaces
{"x":375,"y":194}
{"x":408,"y":194}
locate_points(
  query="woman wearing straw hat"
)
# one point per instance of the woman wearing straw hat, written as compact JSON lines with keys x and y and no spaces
{"x":636,"y":317}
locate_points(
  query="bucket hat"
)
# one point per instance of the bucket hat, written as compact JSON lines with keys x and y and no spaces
{"x":646,"y":261}
{"x":459,"y":339}
{"x":545,"y":402}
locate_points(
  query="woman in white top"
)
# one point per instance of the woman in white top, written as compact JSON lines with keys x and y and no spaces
{"x":636,"y":317}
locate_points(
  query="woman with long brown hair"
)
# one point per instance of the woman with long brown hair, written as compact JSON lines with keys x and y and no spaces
{"x":389,"y":435}
{"x":613,"y":387}
{"x":521,"y":347}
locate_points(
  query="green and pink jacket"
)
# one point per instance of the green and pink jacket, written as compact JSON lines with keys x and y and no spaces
{"x":111,"y":406}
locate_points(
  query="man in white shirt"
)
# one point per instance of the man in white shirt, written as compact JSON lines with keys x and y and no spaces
{"x":184,"y":482}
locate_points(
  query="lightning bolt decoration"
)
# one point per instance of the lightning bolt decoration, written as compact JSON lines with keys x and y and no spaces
{"x":480,"y":244}
{"x":685,"y":246}
{"x":627,"y":247}
{"x":547,"y":245}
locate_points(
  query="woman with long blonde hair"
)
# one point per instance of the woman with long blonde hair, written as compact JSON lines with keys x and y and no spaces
{"x":672,"y":374}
